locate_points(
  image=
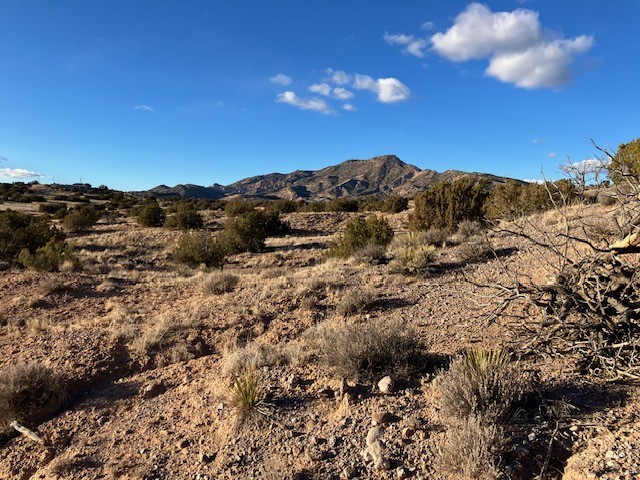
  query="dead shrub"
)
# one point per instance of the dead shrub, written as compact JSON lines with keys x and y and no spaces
{"x":220,"y":282}
{"x":355,"y":301}
{"x":236,"y":361}
{"x":371,"y":254}
{"x":367,"y":350}
{"x":480,"y":383}
{"x":29,"y":392}
{"x":471,"y":449}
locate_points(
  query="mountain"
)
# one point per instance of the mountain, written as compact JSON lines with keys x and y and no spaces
{"x":384,"y":175}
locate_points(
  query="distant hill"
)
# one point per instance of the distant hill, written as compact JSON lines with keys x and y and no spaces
{"x":384,"y":175}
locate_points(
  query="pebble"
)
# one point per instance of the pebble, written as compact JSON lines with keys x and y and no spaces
{"x":386,"y":385}
{"x":374,"y":434}
{"x":382,"y":463}
{"x":379,"y":418}
{"x":407,"y":432}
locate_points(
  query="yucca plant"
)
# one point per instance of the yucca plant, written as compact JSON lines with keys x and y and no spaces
{"x":248,"y":395}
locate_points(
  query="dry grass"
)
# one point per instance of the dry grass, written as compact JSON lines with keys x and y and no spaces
{"x":366,"y":350}
{"x":29,"y":393}
{"x":236,"y":361}
{"x":412,"y":254}
{"x":480,"y":383}
{"x":220,"y":282}
{"x":472,"y":448}
{"x":357,"y":300}
{"x":474,"y":249}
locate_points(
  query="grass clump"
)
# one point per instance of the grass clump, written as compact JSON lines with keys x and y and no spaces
{"x":247,"y":396}
{"x":220,"y":282}
{"x":368,"y":350}
{"x":480,"y":382}
{"x":355,"y":301}
{"x":29,"y":392}
{"x":199,"y":248}
{"x":412,"y":254}
{"x":359,"y":233}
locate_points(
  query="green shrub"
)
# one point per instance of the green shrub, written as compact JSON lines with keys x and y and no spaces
{"x":247,"y":396}
{"x":281,"y":206}
{"x":50,"y":257}
{"x":343,"y":205}
{"x":445,"y":205}
{"x":412,"y":254}
{"x":151,"y":214}
{"x":185,"y":219}
{"x":19,"y":231}
{"x":29,"y":393}
{"x":80,"y":219}
{"x":196,"y":248}
{"x":235,"y":208}
{"x":360,"y":232}
{"x":248,"y":231}
{"x":395,"y":204}
{"x":58,"y":210}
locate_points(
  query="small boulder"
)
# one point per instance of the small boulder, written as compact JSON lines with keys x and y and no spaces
{"x":386,"y":385}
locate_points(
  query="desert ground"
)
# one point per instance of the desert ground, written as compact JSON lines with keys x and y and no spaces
{"x":149,"y":354}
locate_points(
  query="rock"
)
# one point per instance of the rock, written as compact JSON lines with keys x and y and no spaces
{"x":386,"y":385}
{"x":208,"y":457}
{"x":367,"y":456}
{"x":382,"y":463}
{"x":401,"y":473}
{"x":374,"y":434}
{"x":153,"y":389}
{"x":332,"y":441}
{"x":348,"y":472}
{"x":379,"y":418}
{"x":375,"y":449}
{"x":316,"y":454}
{"x":407,"y":432}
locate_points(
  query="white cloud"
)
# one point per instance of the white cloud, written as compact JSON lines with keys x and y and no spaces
{"x":348,"y":107}
{"x":145,"y":108}
{"x":552,"y":155}
{"x":412,"y":45}
{"x":321,"y":88}
{"x":338,"y":76}
{"x":389,"y":90}
{"x":544,"y":65}
{"x":281,"y":79}
{"x":315,"y":104}
{"x":342,"y":93}
{"x":519,"y":50}
{"x":533,"y":180}
{"x":18,"y":173}
{"x":426,"y":26}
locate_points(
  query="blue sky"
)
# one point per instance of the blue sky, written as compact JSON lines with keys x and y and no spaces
{"x":133,"y":94}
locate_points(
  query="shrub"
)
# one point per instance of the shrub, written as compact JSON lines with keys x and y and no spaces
{"x":371,"y":253}
{"x":445,"y":205}
{"x":281,"y":206}
{"x":354,"y":301}
{"x":235,"y":208}
{"x":80,"y":219}
{"x":474,"y":249}
{"x":472,"y":449}
{"x":186,"y":218}
{"x":395,"y":204}
{"x":58,"y":210}
{"x":359,"y":233}
{"x":50,"y":257}
{"x":198,"y":248}
{"x":29,"y":393}
{"x":368,"y":350}
{"x":19,"y":231}
{"x":248,"y":231}
{"x":343,"y":205}
{"x":220,"y":282}
{"x":412,"y":254}
{"x":151,"y":214}
{"x":480,"y":383}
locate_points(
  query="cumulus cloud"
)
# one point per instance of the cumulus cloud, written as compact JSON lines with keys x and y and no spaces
{"x":281,"y":79}
{"x":321,"y":88}
{"x":145,"y":108}
{"x":519,"y":50}
{"x":348,"y":107}
{"x":338,"y":76}
{"x":342,"y":93}
{"x":315,"y":104}
{"x":388,"y":90}
{"x":412,"y":45}
{"x":18,"y":173}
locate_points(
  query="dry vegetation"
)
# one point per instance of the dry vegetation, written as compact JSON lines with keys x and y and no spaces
{"x":152,"y":363}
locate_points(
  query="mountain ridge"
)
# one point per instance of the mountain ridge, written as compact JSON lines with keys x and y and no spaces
{"x":382,"y":175}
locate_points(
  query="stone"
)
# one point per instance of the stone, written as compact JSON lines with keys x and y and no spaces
{"x":182,"y":444}
{"x":332,"y":441}
{"x":382,"y":463}
{"x":376,"y":449}
{"x":379,"y":418}
{"x":386,"y":385}
{"x":153,"y":389}
{"x":316,"y":454}
{"x":367,"y":456}
{"x":401,"y":473}
{"x":374,"y":434}
{"x":407,"y":432}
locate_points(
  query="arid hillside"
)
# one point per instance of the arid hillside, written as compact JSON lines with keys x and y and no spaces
{"x":288,"y":363}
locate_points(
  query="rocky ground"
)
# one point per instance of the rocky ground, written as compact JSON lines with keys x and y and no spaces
{"x":147,"y":353}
